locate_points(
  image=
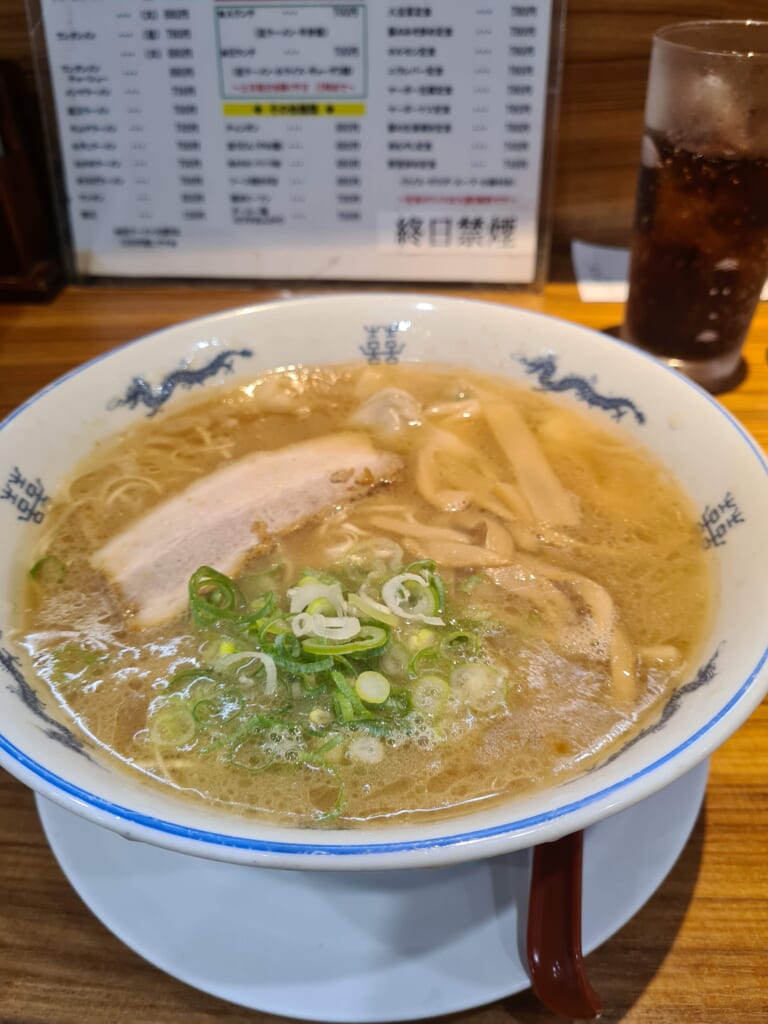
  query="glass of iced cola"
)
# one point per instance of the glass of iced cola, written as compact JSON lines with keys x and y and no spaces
{"x":700,"y":241}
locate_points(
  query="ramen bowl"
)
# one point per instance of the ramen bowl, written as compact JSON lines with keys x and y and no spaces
{"x":716,"y":462}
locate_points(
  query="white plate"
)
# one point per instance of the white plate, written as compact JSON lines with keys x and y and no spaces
{"x":361,"y":946}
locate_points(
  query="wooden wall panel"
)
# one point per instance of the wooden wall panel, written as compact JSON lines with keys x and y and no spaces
{"x":605,"y":64}
{"x":14,"y":38}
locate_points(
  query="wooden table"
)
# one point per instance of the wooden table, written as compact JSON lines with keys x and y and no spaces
{"x":697,"y":953}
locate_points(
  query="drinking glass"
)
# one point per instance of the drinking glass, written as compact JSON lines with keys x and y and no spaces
{"x":700,"y":239}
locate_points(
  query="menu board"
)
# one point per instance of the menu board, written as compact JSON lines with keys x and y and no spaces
{"x":352,"y":140}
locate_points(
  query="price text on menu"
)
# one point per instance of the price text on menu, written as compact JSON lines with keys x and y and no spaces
{"x":360,"y":140}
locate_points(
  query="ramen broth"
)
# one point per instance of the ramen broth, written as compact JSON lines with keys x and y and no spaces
{"x":507,"y":609}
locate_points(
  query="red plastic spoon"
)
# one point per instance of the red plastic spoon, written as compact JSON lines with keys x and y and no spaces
{"x":555,"y":961}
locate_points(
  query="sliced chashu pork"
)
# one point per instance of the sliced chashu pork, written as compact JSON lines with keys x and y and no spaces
{"x":219,"y":519}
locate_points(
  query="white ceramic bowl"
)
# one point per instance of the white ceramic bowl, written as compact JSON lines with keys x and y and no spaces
{"x":719,"y":465}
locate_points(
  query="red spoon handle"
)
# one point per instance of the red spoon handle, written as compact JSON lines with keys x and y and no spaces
{"x":554,"y":930}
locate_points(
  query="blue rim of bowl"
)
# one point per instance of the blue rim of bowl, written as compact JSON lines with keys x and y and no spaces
{"x":222,"y":840}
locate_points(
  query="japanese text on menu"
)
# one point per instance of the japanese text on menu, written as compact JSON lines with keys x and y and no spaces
{"x":301,"y":140}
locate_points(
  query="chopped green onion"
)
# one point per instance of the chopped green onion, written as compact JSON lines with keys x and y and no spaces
{"x":48,"y":570}
{"x":430,"y":694}
{"x":347,"y":700}
{"x":420,"y":658}
{"x":371,"y":609}
{"x":204,"y":711}
{"x":173,"y":725}
{"x":427,"y":568}
{"x":370,"y":639}
{"x":331,"y":627}
{"x":375,"y":726}
{"x":213,"y":597}
{"x":318,"y":756}
{"x":310,"y":589}
{"x":343,"y":708}
{"x":194,"y":682}
{"x":394,"y":661}
{"x":251,"y":755}
{"x":460,"y":643}
{"x":303,"y":677}
{"x":311,"y":682}
{"x":302,"y":668}
{"x":255,"y":723}
{"x":287,"y":645}
{"x":398,"y":704}
{"x":411,"y":597}
{"x":261,"y":606}
{"x":274,"y":626}
{"x":245,"y":659}
{"x":372,"y":687}
{"x":424,"y":566}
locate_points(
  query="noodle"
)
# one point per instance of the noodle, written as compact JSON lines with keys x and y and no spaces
{"x":508,"y":609}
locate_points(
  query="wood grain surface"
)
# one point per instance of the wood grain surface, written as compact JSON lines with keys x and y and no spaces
{"x":697,"y":953}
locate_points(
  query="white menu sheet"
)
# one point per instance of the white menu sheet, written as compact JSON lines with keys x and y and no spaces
{"x":377,"y":140}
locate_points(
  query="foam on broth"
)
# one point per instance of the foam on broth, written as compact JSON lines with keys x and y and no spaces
{"x":635,"y":538}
